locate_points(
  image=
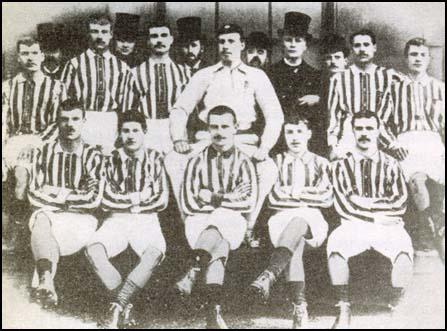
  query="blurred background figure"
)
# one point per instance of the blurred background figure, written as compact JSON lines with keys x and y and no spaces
{"x":258,"y":50}
{"x":51,"y":37}
{"x":125,"y":35}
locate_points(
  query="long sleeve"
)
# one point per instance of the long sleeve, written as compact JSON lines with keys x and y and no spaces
{"x":193,"y":182}
{"x":185,"y":104}
{"x":271,"y":108}
{"x":157,"y":200}
{"x":334,"y":109}
{"x":320,"y":195}
{"x":68,"y":79}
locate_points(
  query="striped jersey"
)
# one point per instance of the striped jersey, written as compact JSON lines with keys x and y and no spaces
{"x":54,"y":170}
{"x":304,"y":181}
{"x":353,"y":91}
{"x":30,"y":106}
{"x":156,"y":87}
{"x":101,"y":82}
{"x":219,"y":173}
{"x":417,"y":106}
{"x":143,"y":174}
{"x":379,"y":179}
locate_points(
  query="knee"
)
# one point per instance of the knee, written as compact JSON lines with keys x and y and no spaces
{"x":152,"y":255}
{"x":336,"y":257}
{"x":299,"y":225}
{"x":41,"y":222}
{"x":417,"y":181}
{"x":403,"y":260}
{"x":95,"y":251}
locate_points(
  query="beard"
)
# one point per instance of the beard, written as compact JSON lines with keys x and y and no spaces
{"x":256,"y":62}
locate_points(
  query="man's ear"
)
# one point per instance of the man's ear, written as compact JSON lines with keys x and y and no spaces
{"x":243,"y":45}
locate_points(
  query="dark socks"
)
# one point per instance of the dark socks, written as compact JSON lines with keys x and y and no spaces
{"x":127,"y":291}
{"x":297,"y":289}
{"x":201,"y":259}
{"x":280,"y":259}
{"x":42,"y":266}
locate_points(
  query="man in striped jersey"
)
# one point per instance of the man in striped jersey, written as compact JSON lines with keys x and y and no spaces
{"x":362,"y":87}
{"x":136,"y":190}
{"x":245,"y":90}
{"x":370,"y":197}
{"x":157,"y":83}
{"x":100,"y":81}
{"x":418,"y":123}
{"x":64,"y":187}
{"x":29,"y":104}
{"x":220,"y":184}
{"x":303,"y":187}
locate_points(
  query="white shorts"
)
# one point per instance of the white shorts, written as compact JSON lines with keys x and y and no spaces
{"x":231,"y":224}
{"x":352,"y":238}
{"x":120,"y":230}
{"x":72,"y":231}
{"x":313,"y":218}
{"x":426,"y":154}
{"x":14,"y":147}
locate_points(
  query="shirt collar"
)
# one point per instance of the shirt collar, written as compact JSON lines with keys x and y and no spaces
{"x":371,"y":70}
{"x":166,"y":61}
{"x":39,"y":77}
{"x":358,"y":156}
{"x":305,"y":156}
{"x":92,"y":54}
{"x":213,"y":152}
{"x":424,"y":80}
{"x":77,"y":152}
{"x":139,"y":155}
{"x":240,"y":66}
{"x":287,"y":63}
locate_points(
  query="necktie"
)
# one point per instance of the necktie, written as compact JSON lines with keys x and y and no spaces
{"x":100,"y":83}
{"x":28,"y":91}
{"x":161,"y":91}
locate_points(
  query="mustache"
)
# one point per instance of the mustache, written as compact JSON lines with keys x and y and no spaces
{"x":255,"y":60}
{"x":218,"y":137}
{"x":364,"y":139}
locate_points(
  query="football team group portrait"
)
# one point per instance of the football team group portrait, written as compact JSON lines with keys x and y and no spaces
{"x":223,"y":165}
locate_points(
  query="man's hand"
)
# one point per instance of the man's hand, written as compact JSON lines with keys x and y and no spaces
{"x":182,"y":147}
{"x":89,"y":184}
{"x":26,"y":154}
{"x":399,"y":151}
{"x":239,"y":193}
{"x":309,"y":100}
{"x":261,"y":154}
{"x":205,"y":195}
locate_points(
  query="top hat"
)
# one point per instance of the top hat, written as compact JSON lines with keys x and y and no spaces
{"x":333,"y":43}
{"x":297,"y":24}
{"x":259,"y":40}
{"x":50,"y":36}
{"x":230,"y":28}
{"x":126,"y":26}
{"x":189,"y":29}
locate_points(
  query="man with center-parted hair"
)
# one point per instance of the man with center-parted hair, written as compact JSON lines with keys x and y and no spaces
{"x":302,"y":189}
{"x":370,"y":197}
{"x":136,"y":189}
{"x":64,"y":188}
{"x":219,"y":185}
{"x":96,"y":77}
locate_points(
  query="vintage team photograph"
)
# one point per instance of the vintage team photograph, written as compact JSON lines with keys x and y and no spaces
{"x":223,"y":165}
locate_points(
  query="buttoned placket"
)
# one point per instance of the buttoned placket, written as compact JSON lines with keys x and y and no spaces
{"x":100,"y":90}
{"x":28,"y":90}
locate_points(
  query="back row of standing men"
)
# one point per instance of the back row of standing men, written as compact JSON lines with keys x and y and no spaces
{"x":179,"y":98}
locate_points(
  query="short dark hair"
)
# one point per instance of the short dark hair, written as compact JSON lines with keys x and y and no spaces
{"x":27,"y":41}
{"x":160,"y":25}
{"x":306,"y":36}
{"x":364,"y":32}
{"x":414,"y":42}
{"x":131,"y":115}
{"x":365,"y":114}
{"x":71,"y":104}
{"x":221,"y":110}
{"x":297,"y":118}
{"x":99,"y":18}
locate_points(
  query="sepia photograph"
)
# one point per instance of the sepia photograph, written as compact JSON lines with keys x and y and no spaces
{"x":223,"y":165}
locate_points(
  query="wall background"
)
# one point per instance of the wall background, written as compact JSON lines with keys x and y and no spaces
{"x":394,"y":23}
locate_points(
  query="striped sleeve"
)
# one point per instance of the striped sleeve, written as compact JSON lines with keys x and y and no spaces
{"x":320,"y":195}
{"x":334,"y":109}
{"x":88,"y":197}
{"x":157,"y":199}
{"x":246,"y":174}
{"x":68,"y":77}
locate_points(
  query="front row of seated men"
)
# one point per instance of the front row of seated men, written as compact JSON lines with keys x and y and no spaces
{"x":69,"y":179}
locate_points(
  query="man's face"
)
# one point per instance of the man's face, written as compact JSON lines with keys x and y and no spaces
{"x":418,"y":58}
{"x":124,"y":47}
{"x":294,"y":46}
{"x":30,"y":57}
{"x":366,"y":132}
{"x":256,"y":57}
{"x":160,"y":40}
{"x":222,"y":129}
{"x":230,"y":46}
{"x":132,"y":136}
{"x":100,"y":36}
{"x":70,"y":124}
{"x":363,"y":49}
{"x":335,"y":62}
{"x":297,"y":136}
{"x":191,"y":51}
